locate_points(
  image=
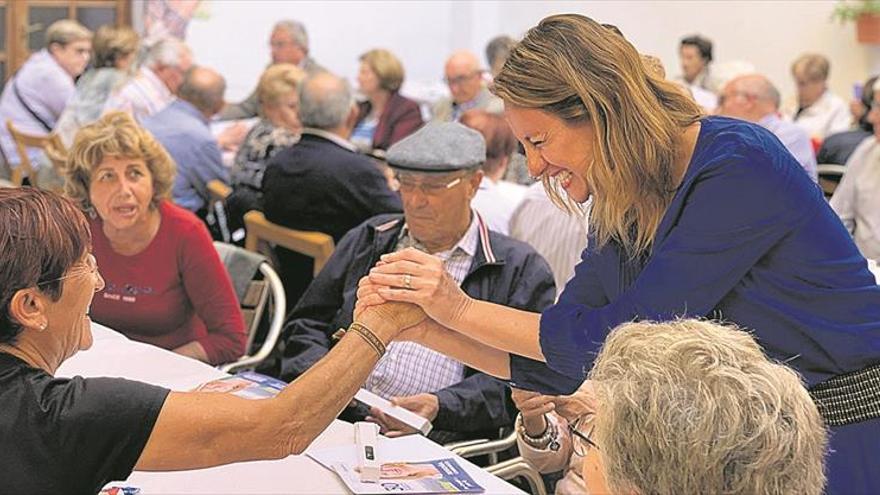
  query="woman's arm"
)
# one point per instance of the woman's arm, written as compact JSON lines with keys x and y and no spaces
{"x":436,"y":292}
{"x":199,"y":429}
{"x":468,"y":351}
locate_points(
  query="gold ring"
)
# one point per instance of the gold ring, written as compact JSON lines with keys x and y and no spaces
{"x":407,"y":281}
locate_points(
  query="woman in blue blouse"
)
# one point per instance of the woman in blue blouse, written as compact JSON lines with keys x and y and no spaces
{"x":691,"y":216}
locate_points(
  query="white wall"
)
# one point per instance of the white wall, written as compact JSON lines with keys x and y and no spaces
{"x":233,"y":38}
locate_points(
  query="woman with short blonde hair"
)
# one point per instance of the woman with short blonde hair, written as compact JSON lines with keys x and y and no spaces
{"x":114,"y":47}
{"x":278,"y":128}
{"x":277,"y":82}
{"x":165,"y":283}
{"x":691,"y":216}
{"x":386,"y":116}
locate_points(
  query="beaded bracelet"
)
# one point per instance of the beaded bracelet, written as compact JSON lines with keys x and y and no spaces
{"x":548,"y":439}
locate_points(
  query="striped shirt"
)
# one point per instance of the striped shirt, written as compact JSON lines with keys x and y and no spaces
{"x":142,"y":96}
{"x":556,"y":235}
{"x":408,"y":368}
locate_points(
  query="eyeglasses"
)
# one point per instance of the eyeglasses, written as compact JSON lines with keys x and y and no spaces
{"x":408,"y":186}
{"x":90,"y":266}
{"x":454,"y":81}
{"x":722,"y":97}
{"x":581,"y":431}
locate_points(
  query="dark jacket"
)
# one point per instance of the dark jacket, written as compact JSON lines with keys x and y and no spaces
{"x":319,"y":185}
{"x":505,"y":271}
{"x":837,"y":148}
{"x":400,"y":118}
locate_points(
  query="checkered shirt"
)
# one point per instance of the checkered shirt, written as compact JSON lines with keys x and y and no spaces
{"x":408,"y":368}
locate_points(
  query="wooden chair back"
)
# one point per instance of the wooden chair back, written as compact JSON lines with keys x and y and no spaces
{"x":315,"y":245}
{"x":829,"y":177}
{"x":50,"y":144}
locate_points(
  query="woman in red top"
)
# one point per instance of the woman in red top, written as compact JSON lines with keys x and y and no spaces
{"x":165,"y":283}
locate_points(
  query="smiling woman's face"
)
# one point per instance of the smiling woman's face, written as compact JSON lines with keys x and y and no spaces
{"x":554,"y":148}
{"x":68,"y":317}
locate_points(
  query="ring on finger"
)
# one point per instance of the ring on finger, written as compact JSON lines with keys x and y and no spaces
{"x":407,"y":281}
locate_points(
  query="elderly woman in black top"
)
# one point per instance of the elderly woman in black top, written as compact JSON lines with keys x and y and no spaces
{"x":74,"y":435}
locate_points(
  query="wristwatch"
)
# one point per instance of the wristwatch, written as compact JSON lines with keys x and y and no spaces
{"x":549,"y":439}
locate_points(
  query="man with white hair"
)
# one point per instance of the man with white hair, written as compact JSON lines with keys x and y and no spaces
{"x":156,"y":83}
{"x":289,"y":43}
{"x":322,"y":183}
{"x":753,"y":97}
{"x":467,"y":89}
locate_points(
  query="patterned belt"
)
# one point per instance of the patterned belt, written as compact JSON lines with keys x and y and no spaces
{"x":850,"y":398}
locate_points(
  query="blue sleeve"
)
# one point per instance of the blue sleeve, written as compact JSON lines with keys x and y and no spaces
{"x":530,"y":374}
{"x":211,"y":166}
{"x":731,"y":215}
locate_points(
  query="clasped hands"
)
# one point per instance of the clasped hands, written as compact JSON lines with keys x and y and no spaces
{"x":410,"y":291}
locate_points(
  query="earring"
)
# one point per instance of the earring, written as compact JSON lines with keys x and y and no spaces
{"x":43,"y":326}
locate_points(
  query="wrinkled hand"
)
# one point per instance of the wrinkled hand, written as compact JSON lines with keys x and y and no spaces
{"x":230,"y":139}
{"x":425,"y":405}
{"x":412,"y":276}
{"x":399,"y":315}
{"x":533,"y":407}
{"x":580,"y":403}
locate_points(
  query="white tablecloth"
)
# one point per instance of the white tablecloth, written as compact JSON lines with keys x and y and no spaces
{"x":115,"y":355}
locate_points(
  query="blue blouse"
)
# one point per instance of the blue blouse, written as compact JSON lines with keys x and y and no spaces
{"x":748,"y":239}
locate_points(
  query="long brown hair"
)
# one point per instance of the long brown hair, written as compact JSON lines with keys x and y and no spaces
{"x":577,"y":70}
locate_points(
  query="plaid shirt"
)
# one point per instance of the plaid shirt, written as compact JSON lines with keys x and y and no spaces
{"x":408,"y":368}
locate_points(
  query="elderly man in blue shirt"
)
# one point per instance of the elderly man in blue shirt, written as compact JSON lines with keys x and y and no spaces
{"x":183,"y":129}
{"x":753,"y":98}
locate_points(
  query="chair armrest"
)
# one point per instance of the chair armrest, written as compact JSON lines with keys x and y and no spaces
{"x":483,"y":447}
{"x":519,"y":467}
{"x":275,"y":325}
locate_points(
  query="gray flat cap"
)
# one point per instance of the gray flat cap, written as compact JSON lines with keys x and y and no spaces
{"x":439,"y":147}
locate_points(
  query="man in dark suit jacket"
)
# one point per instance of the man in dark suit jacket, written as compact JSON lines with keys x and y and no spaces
{"x":321,"y":183}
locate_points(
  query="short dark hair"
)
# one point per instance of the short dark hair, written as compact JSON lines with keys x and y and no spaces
{"x":704,"y":45}
{"x":43,"y":235}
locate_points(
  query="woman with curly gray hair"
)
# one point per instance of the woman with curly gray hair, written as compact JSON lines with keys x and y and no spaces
{"x":691,"y":406}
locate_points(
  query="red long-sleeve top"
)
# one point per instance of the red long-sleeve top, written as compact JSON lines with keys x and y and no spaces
{"x":173,"y":292}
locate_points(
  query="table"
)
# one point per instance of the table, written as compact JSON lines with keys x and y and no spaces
{"x":115,"y":355}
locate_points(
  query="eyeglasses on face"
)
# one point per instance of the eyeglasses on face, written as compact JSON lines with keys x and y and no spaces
{"x":409,"y":185}
{"x":89,"y":266}
{"x":581,"y":432}
{"x":454,"y":81}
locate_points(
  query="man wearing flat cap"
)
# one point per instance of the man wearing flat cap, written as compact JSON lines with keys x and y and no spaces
{"x":438,"y":168}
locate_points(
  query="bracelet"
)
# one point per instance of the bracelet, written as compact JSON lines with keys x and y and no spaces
{"x":366,"y":334}
{"x":547,"y":438}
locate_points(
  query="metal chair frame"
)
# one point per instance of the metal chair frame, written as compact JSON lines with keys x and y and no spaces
{"x":279,"y":301}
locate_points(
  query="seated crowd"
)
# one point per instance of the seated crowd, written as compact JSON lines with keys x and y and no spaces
{"x":122,"y":234}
